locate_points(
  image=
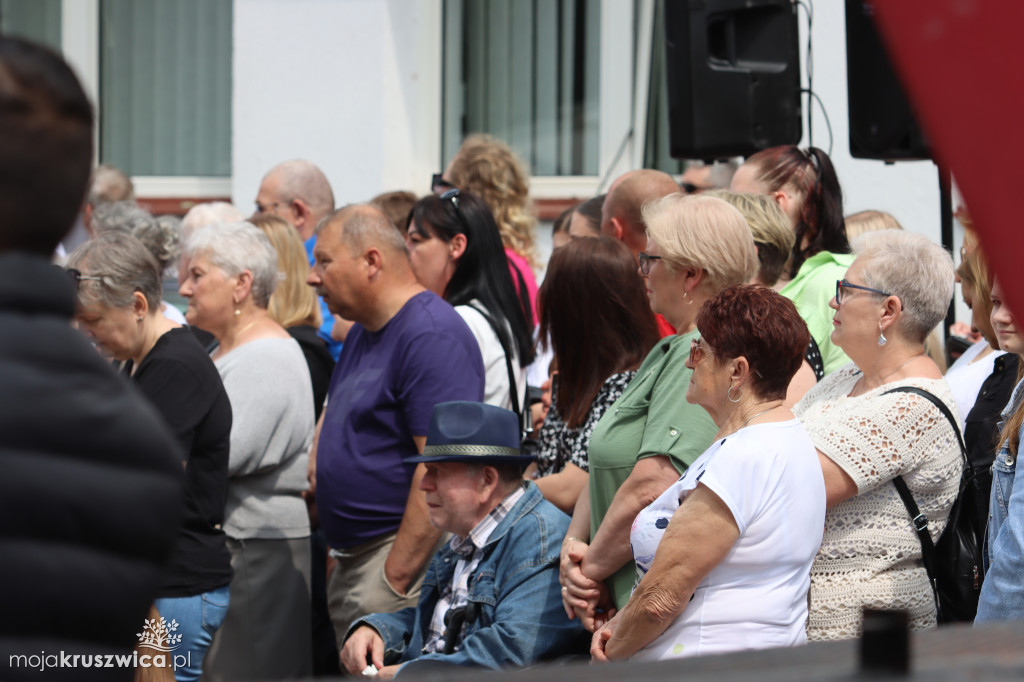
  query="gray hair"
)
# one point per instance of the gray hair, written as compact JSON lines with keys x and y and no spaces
{"x":109,"y":184}
{"x":912,"y":267}
{"x":301,"y":179}
{"x":235,"y":248}
{"x":162,"y":236}
{"x":124,"y":266}
{"x":209,"y":213}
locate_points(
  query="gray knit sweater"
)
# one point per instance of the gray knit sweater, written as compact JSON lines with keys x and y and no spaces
{"x":271,"y":397}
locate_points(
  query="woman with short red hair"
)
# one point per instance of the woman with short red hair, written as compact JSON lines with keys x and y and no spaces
{"x":723,"y":557}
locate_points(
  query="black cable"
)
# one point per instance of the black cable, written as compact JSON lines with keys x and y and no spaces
{"x":824,"y":112}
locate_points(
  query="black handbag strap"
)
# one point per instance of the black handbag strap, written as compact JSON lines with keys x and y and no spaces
{"x":932,"y":398}
{"x":526,"y":425}
{"x":919,"y":520}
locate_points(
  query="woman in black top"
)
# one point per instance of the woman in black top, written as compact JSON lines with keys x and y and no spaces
{"x":118,"y":307}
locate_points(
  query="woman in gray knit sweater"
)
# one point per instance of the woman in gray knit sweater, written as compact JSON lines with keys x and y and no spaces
{"x":231,"y":273}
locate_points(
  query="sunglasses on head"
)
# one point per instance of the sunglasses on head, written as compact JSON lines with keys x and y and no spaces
{"x":438,"y":185}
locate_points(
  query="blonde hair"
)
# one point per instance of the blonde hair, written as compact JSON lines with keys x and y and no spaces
{"x":773,"y":235}
{"x":293,"y":302}
{"x":703,"y":232}
{"x":491,"y":170}
{"x":974,"y":272}
{"x":869,"y":221}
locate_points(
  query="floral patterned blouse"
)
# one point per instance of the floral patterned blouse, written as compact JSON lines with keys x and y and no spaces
{"x":559,"y":444}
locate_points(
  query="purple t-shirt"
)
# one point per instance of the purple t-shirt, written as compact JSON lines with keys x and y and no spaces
{"x":383,"y":393}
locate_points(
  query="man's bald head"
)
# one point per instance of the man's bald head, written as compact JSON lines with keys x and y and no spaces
{"x":621,"y":214}
{"x":297,"y":191}
{"x":365,"y":227}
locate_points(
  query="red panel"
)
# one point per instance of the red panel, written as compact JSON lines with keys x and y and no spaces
{"x":962,"y":62}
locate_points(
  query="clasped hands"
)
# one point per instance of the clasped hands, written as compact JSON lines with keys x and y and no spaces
{"x":582,"y":597}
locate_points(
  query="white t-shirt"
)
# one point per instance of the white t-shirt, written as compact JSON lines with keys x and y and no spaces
{"x":769,"y":477}
{"x":965,"y":377}
{"x":496,"y":389}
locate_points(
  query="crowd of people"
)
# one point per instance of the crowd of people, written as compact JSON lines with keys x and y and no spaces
{"x":334,"y":458}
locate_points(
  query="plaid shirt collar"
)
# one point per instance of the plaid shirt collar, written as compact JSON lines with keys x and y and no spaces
{"x":469,"y":550}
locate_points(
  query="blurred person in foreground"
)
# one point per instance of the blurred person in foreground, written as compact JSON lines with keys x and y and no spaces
{"x":866,"y":433}
{"x":490,"y":596}
{"x":92,"y":483}
{"x":723,"y":556}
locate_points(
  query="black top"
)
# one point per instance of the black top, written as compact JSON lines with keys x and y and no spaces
{"x":321,"y":364}
{"x":981,"y":433}
{"x":90,"y":493}
{"x":181,"y":381}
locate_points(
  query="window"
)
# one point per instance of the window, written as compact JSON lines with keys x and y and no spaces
{"x":37,"y":20}
{"x":159,"y":72}
{"x":527,"y":72}
{"x":165,"y":86}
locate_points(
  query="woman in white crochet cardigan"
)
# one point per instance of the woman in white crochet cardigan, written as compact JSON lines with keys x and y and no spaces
{"x":895,"y":292}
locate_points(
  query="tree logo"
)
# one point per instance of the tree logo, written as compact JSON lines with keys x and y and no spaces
{"x":159,"y":635}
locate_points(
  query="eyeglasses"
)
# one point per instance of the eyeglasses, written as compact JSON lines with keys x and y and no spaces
{"x":438,"y":185}
{"x":645,"y":262}
{"x":266,"y":208}
{"x":76,"y":277}
{"x":842,"y":284}
{"x":697,"y":351}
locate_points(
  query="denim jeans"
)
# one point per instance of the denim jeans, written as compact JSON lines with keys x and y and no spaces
{"x":198,"y":619}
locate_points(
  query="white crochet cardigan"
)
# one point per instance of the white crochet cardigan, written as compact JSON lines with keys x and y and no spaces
{"x":870,"y":555}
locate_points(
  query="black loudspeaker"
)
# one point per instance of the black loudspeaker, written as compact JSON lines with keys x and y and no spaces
{"x":733,"y":72}
{"x":882,"y":123}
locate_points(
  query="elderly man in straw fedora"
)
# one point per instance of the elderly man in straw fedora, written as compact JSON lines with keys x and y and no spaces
{"x":491,"y":596}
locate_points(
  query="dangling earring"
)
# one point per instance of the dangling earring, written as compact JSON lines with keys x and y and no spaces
{"x":728,"y":394}
{"x":238,"y":312}
{"x":881,"y":337}
{"x":686,"y":297}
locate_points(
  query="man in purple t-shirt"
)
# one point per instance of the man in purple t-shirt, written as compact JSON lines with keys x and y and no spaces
{"x":407,"y":351}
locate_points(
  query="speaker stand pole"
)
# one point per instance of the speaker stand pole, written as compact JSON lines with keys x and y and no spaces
{"x":946,"y":213}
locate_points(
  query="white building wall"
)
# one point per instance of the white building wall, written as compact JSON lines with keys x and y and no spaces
{"x":353,"y":86}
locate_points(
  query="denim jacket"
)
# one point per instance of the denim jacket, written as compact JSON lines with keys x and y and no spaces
{"x":1002,"y":593}
{"x":516,"y":587}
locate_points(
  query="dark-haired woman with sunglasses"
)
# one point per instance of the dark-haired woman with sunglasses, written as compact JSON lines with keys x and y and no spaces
{"x":455,"y":251}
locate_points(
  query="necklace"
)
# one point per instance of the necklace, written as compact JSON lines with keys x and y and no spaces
{"x":752,"y":418}
{"x":240,"y":331}
{"x":909,"y":360}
